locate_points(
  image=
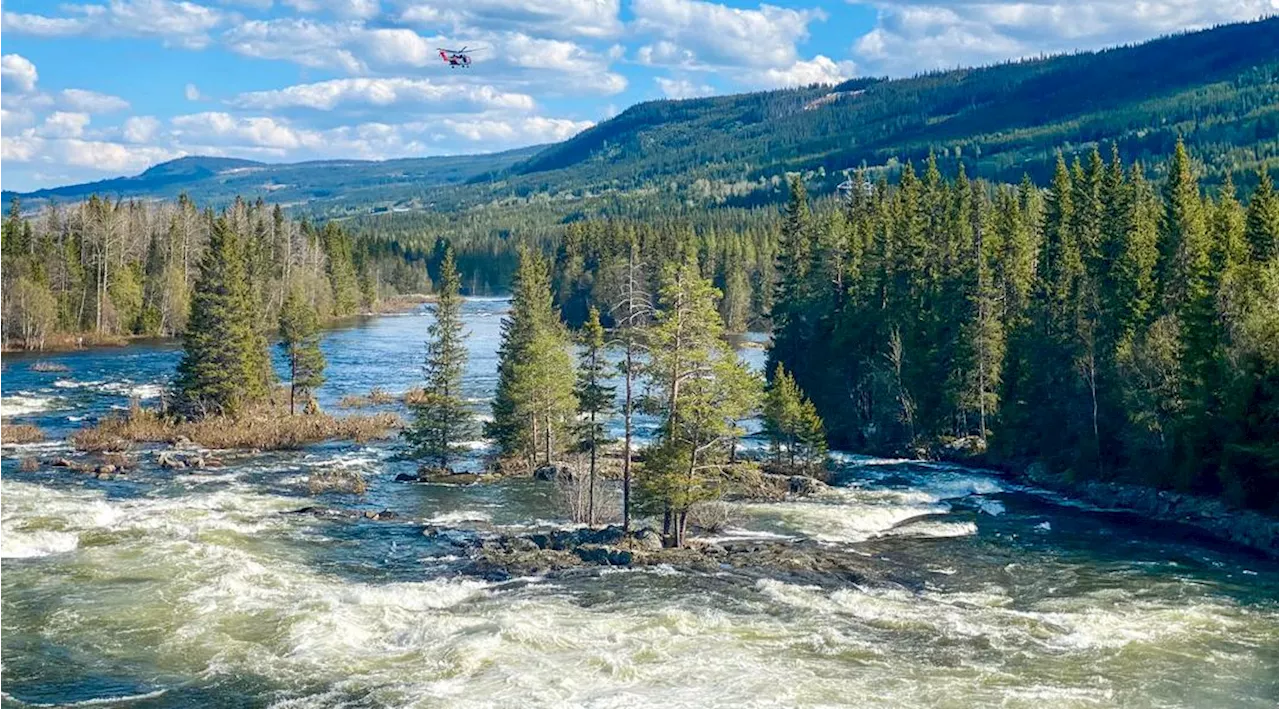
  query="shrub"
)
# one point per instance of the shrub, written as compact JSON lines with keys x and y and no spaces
{"x":346,"y":481}
{"x":264,"y":428}
{"x":20,"y":433}
{"x":712,"y":515}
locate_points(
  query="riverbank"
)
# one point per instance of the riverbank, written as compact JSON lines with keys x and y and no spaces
{"x":1212,"y":516}
{"x":75,"y":341}
{"x":1208,"y":515}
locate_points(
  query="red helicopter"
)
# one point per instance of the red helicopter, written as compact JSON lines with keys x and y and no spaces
{"x":456,"y":57}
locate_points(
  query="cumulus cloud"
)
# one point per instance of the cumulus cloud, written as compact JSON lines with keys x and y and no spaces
{"x":184,"y":24}
{"x":589,"y":69}
{"x":819,"y":70}
{"x":558,"y":18}
{"x":12,"y":120}
{"x":17,"y":74}
{"x":192,"y":93}
{"x":534,"y":129}
{"x":140,"y":129}
{"x":218,"y":128}
{"x":720,"y":35}
{"x":913,"y":36}
{"x":91,"y":101}
{"x":328,"y":95}
{"x":682,"y":88}
{"x":302,"y":41}
{"x":353,"y":9}
{"x":63,"y":124}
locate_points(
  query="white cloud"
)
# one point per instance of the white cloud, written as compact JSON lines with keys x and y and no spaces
{"x":113,"y":158}
{"x":935,"y":34}
{"x":590,"y":70}
{"x":304,"y":42}
{"x":535,"y":129}
{"x":17,"y":74}
{"x":682,"y":88}
{"x":12,"y":121}
{"x":819,"y":70}
{"x":140,"y":129}
{"x":558,"y":18}
{"x":352,"y":9}
{"x":91,"y":101}
{"x":184,"y":24}
{"x":63,"y":124}
{"x":723,"y":36}
{"x":42,"y":26}
{"x":328,"y":95}
{"x":217,"y":128}
{"x":20,"y":148}
{"x":192,"y":93}
{"x":396,"y":47}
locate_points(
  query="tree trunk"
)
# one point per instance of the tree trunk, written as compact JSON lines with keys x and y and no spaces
{"x":591,"y":490}
{"x":626,"y":445}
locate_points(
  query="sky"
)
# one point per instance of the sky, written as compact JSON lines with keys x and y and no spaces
{"x":102,"y":89}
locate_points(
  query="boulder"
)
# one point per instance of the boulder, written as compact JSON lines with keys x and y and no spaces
{"x":406,"y":478}
{"x":106,"y":469}
{"x":645,"y":540}
{"x":804,"y":485}
{"x":550,"y":473}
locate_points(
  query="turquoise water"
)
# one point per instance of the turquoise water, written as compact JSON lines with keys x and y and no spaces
{"x":178,"y":589}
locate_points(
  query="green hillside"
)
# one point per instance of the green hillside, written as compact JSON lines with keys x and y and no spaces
{"x":1216,"y":87}
{"x":366,"y":183}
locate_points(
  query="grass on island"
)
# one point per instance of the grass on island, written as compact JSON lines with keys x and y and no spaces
{"x":266,"y":427}
{"x":20,"y":433}
{"x":47,"y":366}
{"x":377,"y":396}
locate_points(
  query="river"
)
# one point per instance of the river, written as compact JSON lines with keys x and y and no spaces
{"x":186,"y":589}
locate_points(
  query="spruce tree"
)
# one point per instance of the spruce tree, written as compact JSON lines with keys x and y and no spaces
{"x":442,"y":419}
{"x":1262,"y":225}
{"x":533,"y":403}
{"x":300,"y":343}
{"x":595,"y":398}
{"x":220,"y":370}
{"x":794,"y":257}
{"x":792,"y":423}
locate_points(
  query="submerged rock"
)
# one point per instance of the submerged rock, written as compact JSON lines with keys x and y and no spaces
{"x":550,"y":473}
{"x":335,"y":513}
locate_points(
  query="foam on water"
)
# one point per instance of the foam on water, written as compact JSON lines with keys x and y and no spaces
{"x":24,"y":405}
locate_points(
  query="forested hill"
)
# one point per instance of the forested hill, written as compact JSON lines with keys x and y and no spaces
{"x":218,"y":181}
{"x":1216,"y":87}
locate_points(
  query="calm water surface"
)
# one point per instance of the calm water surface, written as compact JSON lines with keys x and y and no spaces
{"x":180,"y":590}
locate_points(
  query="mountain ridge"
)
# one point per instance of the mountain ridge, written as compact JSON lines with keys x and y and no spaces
{"x":1214,"y":87}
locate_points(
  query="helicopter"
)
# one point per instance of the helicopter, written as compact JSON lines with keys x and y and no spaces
{"x":456,"y":57}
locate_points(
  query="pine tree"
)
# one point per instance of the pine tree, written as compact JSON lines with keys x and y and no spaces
{"x":696,"y":384}
{"x":632,"y":313}
{"x":441,"y":419}
{"x":220,"y":371}
{"x":595,"y":398}
{"x":300,"y":343}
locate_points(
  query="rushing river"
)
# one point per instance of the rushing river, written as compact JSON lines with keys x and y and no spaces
{"x":187,"y":589}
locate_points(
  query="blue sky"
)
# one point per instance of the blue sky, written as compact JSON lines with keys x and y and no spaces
{"x":101,"y":89}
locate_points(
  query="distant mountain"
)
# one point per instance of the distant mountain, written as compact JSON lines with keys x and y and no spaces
{"x":1216,"y":87}
{"x":217,"y":180}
